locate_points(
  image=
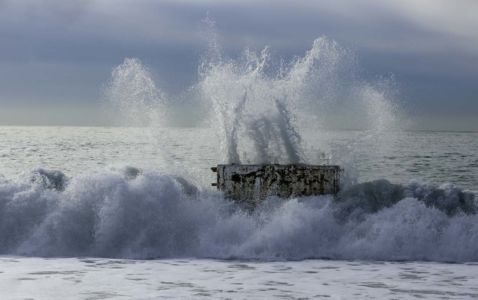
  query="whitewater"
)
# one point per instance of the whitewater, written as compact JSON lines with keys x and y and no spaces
{"x":129,"y":212}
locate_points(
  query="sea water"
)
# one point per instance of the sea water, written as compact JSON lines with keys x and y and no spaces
{"x":117,"y":230}
{"x":129,"y":212}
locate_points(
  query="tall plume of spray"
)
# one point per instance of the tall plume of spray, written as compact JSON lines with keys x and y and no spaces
{"x":262,"y":111}
{"x":134,"y":93}
{"x":255,"y":112}
{"x":139,"y":102}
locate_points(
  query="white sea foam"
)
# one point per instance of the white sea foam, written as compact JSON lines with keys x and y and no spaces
{"x":128,"y":213}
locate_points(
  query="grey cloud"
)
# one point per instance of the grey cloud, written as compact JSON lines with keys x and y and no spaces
{"x":48,"y":46}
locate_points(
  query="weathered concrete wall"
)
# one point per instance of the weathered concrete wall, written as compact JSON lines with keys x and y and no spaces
{"x":253,"y":183}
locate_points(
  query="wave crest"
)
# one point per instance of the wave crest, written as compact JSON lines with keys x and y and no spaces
{"x":130,"y":213}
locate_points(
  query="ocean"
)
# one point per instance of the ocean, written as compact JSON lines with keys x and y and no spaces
{"x":118,"y":213}
{"x":129,"y":212}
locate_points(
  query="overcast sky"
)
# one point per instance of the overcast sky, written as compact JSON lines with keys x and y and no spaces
{"x":55,"y":55}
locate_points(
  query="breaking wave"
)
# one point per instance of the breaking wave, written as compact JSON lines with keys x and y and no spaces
{"x":260,"y":112}
{"x":129,"y":213}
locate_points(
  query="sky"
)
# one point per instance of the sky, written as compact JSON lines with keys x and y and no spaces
{"x":56,"y":55}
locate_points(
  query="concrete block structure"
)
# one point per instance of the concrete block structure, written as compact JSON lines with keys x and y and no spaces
{"x":254,"y":183}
